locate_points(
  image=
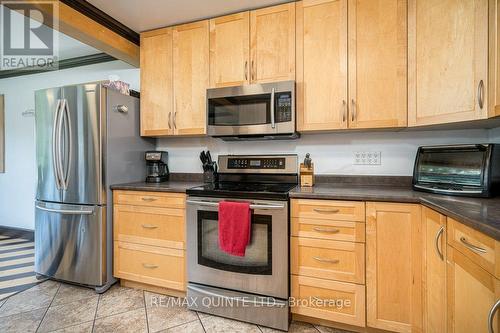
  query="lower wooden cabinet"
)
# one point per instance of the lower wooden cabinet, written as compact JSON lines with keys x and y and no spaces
{"x":434,"y":270}
{"x":308,"y":295}
{"x":394,"y":266}
{"x":472,"y":292}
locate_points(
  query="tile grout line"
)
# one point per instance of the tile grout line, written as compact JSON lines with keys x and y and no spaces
{"x":145,"y":310}
{"x":201,"y":322}
{"x":47,"y":310}
{"x":95,"y":314}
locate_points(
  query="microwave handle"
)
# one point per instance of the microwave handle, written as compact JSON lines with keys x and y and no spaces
{"x":273,"y":122}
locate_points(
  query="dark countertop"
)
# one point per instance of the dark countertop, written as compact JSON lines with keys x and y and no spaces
{"x":482,"y":214}
{"x":170,"y":186}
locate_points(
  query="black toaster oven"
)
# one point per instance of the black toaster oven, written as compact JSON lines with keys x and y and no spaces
{"x":466,"y":170}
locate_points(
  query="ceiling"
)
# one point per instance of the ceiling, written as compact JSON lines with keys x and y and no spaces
{"x":150,"y":14}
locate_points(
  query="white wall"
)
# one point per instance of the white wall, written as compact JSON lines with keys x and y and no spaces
{"x":17,"y":184}
{"x":332,"y":153}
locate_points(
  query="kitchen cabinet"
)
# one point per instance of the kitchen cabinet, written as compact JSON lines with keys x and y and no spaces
{"x":370,"y":92}
{"x":394,"y":266}
{"x":230,"y":50}
{"x":471,"y":294}
{"x":272,"y":43}
{"x":321,"y":65}
{"x":150,"y":240}
{"x":156,"y":82}
{"x":377,"y":63}
{"x":191,"y":77}
{"x":447,"y":61}
{"x":434,"y":270}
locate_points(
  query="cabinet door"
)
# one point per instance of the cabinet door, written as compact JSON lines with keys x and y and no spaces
{"x":230,"y":50}
{"x":471,"y":294}
{"x":434,"y":234}
{"x":394,"y":266}
{"x":191,"y":77}
{"x":156,"y":83}
{"x":321,"y":65}
{"x":272,"y":32}
{"x":448,"y":60}
{"x":377,"y":63}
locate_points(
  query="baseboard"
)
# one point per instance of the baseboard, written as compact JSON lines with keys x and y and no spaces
{"x":17,"y":233}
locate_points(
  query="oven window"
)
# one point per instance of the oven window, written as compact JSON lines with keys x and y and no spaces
{"x":258,"y":254}
{"x":460,"y":167}
{"x":239,"y":110}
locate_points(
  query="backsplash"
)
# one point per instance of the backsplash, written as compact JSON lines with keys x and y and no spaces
{"x":332,"y":153}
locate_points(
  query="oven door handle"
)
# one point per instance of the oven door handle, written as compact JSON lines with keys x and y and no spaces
{"x":252,"y":206}
{"x":237,"y":299}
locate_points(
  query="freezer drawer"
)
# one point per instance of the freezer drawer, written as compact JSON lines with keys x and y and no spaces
{"x":70,"y":242}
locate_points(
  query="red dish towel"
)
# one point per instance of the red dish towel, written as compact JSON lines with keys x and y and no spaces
{"x":234,"y":227}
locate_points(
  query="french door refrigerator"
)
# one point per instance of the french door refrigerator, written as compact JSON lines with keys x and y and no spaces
{"x":87,"y":138}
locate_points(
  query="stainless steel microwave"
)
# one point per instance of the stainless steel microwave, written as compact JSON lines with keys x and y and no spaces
{"x":467,"y":170}
{"x":257,"y":111}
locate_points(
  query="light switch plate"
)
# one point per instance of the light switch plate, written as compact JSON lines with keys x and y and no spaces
{"x":367,"y":158}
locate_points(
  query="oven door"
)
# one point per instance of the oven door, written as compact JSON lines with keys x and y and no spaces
{"x":264,"y":268}
{"x":258,"y":109}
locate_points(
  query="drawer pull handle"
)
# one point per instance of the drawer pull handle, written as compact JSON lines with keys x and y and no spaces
{"x":326,"y":211}
{"x":471,"y":246}
{"x":491,"y":314}
{"x":149,"y":266}
{"x":149,"y":226}
{"x":436,"y":242}
{"x":326,"y":230}
{"x":330,"y":261}
{"x":148,"y":199}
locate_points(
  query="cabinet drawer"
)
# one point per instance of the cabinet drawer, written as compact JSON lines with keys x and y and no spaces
{"x":329,"y":209}
{"x":153,"y":265}
{"x":154,"y":199}
{"x":327,"y":229}
{"x":477,"y":246}
{"x":343,"y":261}
{"x":348,"y":300}
{"x":149,"y":225}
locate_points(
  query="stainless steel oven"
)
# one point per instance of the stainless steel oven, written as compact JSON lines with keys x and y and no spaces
{"x":252,"y":111}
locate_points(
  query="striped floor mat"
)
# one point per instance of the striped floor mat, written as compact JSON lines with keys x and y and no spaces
{"x":17,"y":258}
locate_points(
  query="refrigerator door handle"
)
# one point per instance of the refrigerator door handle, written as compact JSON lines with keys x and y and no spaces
{"x":55,"y":149}
{"x":67,"y":168}
{"x":65,"y":211}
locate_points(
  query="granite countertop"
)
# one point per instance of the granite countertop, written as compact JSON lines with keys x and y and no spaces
{"x":170,"y":186}
{"x":482,"y":214}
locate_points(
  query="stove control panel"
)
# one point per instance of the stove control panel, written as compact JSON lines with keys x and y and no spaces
{"x":256,"y":163}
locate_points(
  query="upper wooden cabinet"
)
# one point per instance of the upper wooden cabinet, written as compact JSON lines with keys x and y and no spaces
{"x":156,"y":83}
{"x":434,"y":270}
{"x":230,"y":50}
{"x":321,"y":65}
{"x":372,"y":91}
{"x":377,"y":63}
{"x":471,"y":294}
{"x":448,"y":61}
{"x":191,"y":77}
{"x":272,"y":41}
{"x":394,"y":266}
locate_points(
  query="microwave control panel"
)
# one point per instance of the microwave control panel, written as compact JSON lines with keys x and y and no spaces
{"x":256,"y":163}
{"x":283,"y":107}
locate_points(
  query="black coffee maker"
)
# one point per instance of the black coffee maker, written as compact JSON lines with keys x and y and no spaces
{"x":156,"y":166}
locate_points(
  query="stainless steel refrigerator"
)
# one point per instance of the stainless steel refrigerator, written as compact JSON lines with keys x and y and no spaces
{"x":87,"y":138}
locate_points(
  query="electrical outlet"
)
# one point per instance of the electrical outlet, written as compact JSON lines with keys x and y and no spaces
{"x":367,"y":158}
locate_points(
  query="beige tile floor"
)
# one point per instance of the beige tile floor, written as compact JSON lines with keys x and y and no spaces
{"x":57,"y":307}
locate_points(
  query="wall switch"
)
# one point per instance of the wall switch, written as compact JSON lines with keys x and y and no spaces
{"x":367,"y":158}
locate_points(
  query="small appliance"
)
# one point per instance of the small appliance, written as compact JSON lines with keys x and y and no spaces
{"x":252,"y":112}
{"x":156,"y":166}
{"x":465,"y":170}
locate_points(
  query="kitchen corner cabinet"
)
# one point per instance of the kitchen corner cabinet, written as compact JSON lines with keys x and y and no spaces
{"x":472,"y":292}
{"x":394,"y":266}
{"x":448,"y":61}
{"x":156,"y":82}
{"x":191,"y":77}
{"x":434,"y":270}
{"x":369,"y":93}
